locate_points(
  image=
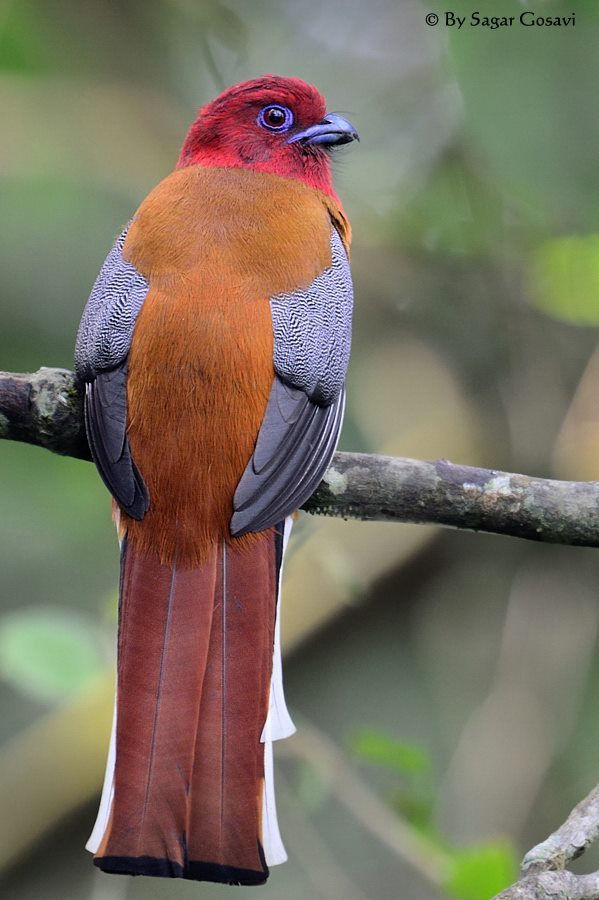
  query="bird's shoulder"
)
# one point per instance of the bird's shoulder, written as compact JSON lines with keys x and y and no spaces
{"x":235,"y":220}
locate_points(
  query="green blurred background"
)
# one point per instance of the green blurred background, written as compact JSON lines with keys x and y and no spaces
{"x":445,"y":684}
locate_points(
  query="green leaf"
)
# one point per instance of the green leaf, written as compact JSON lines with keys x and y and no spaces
{"x":48,"y":655}
{"x":482,"y":871}
{"x":564,"y":279}
{"x":373,"y":746}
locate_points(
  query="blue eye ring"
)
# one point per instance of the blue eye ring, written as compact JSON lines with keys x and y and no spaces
{"x":275,"y":118}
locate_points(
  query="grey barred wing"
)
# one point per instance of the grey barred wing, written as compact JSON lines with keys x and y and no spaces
{"x":312,"y":330}
{"x":302,"y":422}
{"x":101,"y":356}
{"x":106,"y":327}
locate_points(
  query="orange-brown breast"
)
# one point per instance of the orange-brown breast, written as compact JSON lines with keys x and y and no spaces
{"x":215,"y":245}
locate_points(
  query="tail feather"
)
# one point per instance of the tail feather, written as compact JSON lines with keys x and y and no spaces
{"x":227,"y":782}
{"x":191,"y":793}
{"x":278,"y":723}
{"x":165,"y":622}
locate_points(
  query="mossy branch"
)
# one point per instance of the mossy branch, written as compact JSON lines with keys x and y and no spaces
{"x":46,"y":408}
{"x":544,"y":875}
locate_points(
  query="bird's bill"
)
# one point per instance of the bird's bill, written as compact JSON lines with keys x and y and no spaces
{"x":332,"y":131}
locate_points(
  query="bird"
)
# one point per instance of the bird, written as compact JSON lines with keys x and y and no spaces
{"x":213,"y":352}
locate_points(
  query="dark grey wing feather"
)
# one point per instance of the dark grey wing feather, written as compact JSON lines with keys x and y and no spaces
{"x":294,"y":452}
{"x":101,"y":357}
{"x":302,"y":422}
{"x":106,"y":425}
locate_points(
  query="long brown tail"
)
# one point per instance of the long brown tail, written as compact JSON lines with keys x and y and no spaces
{"x":195,"y":655}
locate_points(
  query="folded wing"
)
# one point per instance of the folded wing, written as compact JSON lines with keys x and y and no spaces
{"x":302,"y":422}
{"x":101,"y":355}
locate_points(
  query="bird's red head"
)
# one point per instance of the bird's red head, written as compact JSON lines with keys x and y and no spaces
{"x":271,"y":124}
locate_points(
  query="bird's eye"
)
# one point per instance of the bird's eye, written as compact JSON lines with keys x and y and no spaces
{"x":275,"y":118}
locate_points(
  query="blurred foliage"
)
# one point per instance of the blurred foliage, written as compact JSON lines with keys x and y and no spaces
{"x":48,"y":654}
{"x":565,"y":278}
{"x":311,"y":790}
{"x":371,"y":745}
{"x":483,"y":871}
{"x":475,"y":873}
{"x":474,"y":197}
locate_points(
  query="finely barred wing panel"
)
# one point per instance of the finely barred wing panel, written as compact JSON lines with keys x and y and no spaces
{"x":106,"y":328}
{"x":299,"y":433}
{"x":312,"y":330}
{"x":101,"y":352}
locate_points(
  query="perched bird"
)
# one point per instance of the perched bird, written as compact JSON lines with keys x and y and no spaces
{"x":214,"y":349}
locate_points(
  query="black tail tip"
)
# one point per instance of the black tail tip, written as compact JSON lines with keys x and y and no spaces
{"x":193,"y":871}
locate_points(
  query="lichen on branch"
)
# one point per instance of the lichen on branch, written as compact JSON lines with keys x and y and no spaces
{"x":46,"y":408}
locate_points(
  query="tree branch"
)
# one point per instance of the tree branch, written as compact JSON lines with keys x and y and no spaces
{"x":543,"y":869}
{"x":46,"y":408}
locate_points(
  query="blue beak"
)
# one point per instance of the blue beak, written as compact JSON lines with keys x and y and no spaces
{"x":332,"y":131}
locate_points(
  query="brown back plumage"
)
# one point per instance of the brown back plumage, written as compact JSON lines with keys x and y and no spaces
{"x":215,"y":245}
